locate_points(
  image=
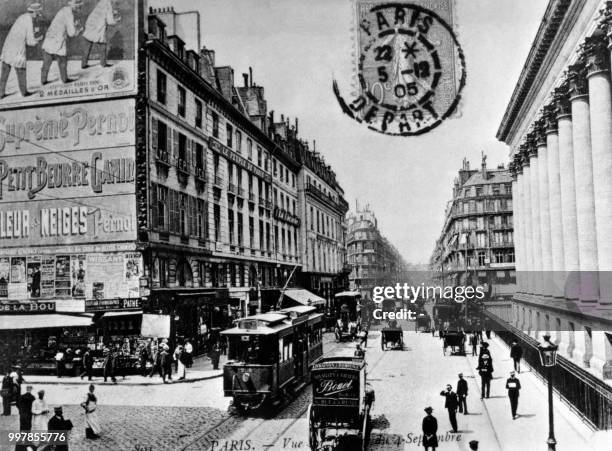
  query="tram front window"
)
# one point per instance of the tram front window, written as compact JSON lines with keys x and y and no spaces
{"x":255,"y":350}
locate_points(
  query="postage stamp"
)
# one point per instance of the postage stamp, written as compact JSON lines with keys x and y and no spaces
{"x":410,"y":66}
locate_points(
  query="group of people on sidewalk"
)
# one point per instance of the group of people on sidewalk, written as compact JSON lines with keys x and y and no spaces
{"x":34,"y":415}
{"x":457,"y":400}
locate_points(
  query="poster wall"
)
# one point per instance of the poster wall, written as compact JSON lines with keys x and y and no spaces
{"x":72,"y":51}
{"x":75,"y":276}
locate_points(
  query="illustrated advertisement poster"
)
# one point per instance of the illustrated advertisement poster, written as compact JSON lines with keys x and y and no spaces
{"x":47,"y":282}
{"x":133,"y":272}
{"x":62,"y":276}
{"x":78,"y":272}
{"x":34,"y":276}
{"x":5,"y":268}
{"x":106,"y":278}
{"x":18,"y":287}
{"x":66,"y":34}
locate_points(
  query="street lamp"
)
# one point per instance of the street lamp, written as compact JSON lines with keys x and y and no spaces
{"x":548,"y":358}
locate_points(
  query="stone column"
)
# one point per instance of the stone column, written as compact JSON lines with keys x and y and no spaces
{"x":554,"y":193}
{"x":600,"y":100}
{"x":526,"y":220}
{"x":520,"y":248}
{"x":571,"y":259}
{"x":536,"y":230}
{"x":546,"y":266}
{"x":583,"y":167}
{"x":516,"y":214}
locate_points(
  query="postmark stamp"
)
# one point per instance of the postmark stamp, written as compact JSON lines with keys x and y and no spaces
{"x":410,"y":68}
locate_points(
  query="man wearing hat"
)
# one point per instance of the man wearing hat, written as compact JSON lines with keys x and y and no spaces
{"x":462,"y":392}
{"x":430,"y":430}
{"x":63,"y":26}
{"x":58,"y":423}
{"x":513,"y":385}
{"x":13,"y":54}
{"x":516,"y":353}
{"x":96,"y":26}
{"x":474,"y":445}
{"x":24,"y":404}
{"x":451,"y":405}
{"x":485,"y":369}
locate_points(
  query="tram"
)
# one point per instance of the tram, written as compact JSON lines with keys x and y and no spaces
{"x":346,"y":309}
{"x":270,"y":356}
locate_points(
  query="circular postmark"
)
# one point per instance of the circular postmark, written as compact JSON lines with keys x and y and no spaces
{"x":411,"y":69}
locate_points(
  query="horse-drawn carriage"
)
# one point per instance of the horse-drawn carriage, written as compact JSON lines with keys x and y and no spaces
{"x":339,"y":416}
{"x":392,"y":338}
{"x":423,"y":323}
{"x":348,"y":319}
{"x":455,"y":340}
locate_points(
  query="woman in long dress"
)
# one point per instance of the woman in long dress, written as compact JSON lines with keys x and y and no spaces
{"x":180,"y":372}
{"x":92,"y":430}
{"x":40,"y":411}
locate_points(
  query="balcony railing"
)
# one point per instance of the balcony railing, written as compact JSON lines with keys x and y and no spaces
{"x":251,"y":197}
{"x":231,"y":188}
{"x":262,"y":202}
{"x":218,"y":181}
{"x":240,"y":192}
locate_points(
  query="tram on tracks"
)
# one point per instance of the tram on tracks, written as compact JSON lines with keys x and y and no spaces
{"x":270,"y":356}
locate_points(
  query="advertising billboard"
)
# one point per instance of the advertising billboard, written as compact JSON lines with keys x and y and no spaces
{"x":61,"y":51}
{"x":67,"y":176}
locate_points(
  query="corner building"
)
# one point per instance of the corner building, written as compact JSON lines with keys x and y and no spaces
{"x":166,"y":202}
{"x":558,"y":125}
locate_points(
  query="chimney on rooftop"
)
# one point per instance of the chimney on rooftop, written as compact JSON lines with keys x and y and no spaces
{"x":251,"y":75}
{"x":246,"y":80}
{"x":483,"y":166}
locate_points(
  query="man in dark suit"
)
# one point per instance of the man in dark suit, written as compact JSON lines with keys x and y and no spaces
{"x":485,"y":369}
{"x":513,"y":385}
{"x":87,"y":364}
{"x":474,"y":343}
{"x":430,"y":430}
{"x":24,"y":404}
{"x":462,"y":392}
{"x":166,"y":361}
{"x":58,"y":423}
{"x":516,"y":353}
{"x":451,"y":405}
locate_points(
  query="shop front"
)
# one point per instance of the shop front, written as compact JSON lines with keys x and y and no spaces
{"x":193,"y":314}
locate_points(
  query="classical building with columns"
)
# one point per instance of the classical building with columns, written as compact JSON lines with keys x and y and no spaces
{"x":558,"y":125}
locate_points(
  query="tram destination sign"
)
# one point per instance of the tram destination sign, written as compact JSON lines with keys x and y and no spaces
{"x":109,"y":305}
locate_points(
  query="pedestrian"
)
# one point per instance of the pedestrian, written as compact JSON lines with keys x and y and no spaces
{"x":215,"y":354}
{"x":6,"y":392}
{"x":24,"y":404}
{"x":188,"y":354}
{"x":180,"y":373}
{"x":14,"y":51}
{"x":451,"y":405}
{"x":513,"y":385}
{"x":166,"y":362}
{"x":516,"y":353}
{"x":17,"y":379}
{"x":58,"y":423}
{"x":109,"y":365}
{"x":175,"y":357}
{"x":90,"y":404}
{"x":359,"y":352}
{"x":60,"y":362}
{"x":63,"y":26}
{"x":39,"y":412}
{"x":157,"y":363}
{"x":474,"y":445}
{"x":144,"y":358}
{"x":462,"y":392}
{"x":96,"y":26}
{"x":364,"y":337}
{"x":485,"y":369}
{"x":474,"y":343}
{"x":87,"y":364}
{"x":488,"y":334}
{"x":430,"y":430}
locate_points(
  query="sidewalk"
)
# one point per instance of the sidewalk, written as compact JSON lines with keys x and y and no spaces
{"x":201,"y":370}
{"x":530,"y":429}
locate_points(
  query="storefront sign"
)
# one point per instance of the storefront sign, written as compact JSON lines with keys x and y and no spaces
{"x":107,"y":305}
{"x":12,"y":307}
{"x":111,"y":22}
{"x":228,"y":153}
{"x":285,"y":216}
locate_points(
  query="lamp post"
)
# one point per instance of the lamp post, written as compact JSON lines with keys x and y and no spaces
{"x":548,"y":358}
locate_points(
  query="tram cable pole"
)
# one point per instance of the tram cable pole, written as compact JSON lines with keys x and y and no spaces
{"x":280,"y":298}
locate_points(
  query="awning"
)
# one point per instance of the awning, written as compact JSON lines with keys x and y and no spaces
{"x":122,"y":313}
{"x":304,"y":297}
{"x":20,"y":322}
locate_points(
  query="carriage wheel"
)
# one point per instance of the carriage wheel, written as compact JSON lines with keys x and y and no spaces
{"x":365,"y":436}
{"x":312,"y":437}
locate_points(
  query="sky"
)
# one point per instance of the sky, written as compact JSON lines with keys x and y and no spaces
{"x":297,"y":47}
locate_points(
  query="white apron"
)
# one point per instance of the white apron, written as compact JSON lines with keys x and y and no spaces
{"x":98,"y":21}
{"x":61,"y":28}
{"x":20,"y":35}
{"x":40,"y":421}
